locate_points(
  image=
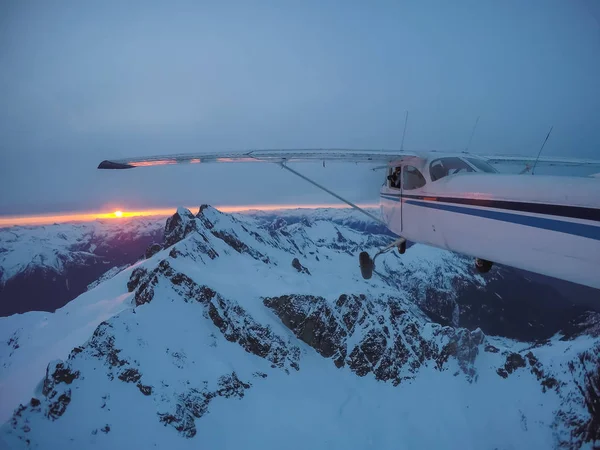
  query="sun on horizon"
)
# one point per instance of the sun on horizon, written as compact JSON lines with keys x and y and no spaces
{"x":118,"y":213}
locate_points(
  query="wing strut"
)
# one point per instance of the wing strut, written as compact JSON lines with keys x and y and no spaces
{"x":323,"y":188}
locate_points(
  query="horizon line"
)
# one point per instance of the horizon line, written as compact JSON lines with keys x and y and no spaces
{"x":90,"y":216}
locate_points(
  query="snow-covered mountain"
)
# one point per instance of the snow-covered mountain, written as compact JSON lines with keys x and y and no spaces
{"x":44,"y":267}
{"x":242,"y":331}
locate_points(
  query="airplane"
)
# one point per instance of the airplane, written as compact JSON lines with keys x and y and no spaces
{"x":460,"y":202}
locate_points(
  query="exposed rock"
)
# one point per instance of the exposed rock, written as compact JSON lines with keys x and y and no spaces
{"x":386,"y":341}
{"x":237,"y":326}
{"x":143,"y":282}
{"x":102,"y":346}
{"x":130,"y":376}
{"x":231,"y":386}
{"x":58,"y":407}
{"x":513,"y":362}
{"x":547,"y":382}
{"x":194,"y":404}
{"x":135,"y":278}
{"x":153,"y":250}
{"x":146,"y":390}
{"x":57,"y":372}
{"x":578,"y":420}
{"x":587,"y":323}
{"x":311,"y":320}
{"x":299,"y":267}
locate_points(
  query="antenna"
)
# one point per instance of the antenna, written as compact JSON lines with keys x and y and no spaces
{"x":472,"y":133}
{"x":542,"y":148}
{"x":404,"y":132}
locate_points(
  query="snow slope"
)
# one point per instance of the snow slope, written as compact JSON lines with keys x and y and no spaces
{"x":220,"y":341}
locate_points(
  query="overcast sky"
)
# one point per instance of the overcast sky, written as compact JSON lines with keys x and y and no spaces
{"x":83,"y":81}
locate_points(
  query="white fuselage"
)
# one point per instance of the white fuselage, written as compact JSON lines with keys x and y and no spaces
{"x":545,"y":224}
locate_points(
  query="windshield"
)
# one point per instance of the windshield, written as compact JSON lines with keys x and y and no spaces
{"x":482,"y":165}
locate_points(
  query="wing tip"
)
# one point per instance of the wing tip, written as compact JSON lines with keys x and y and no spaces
{"x":106,"y":164}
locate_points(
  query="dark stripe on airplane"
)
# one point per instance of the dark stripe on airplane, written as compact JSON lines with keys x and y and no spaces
{"x":573,"y":212}
{"x":576,"y":229}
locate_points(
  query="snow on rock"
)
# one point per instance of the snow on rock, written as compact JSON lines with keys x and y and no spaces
{"x":219,"y":332}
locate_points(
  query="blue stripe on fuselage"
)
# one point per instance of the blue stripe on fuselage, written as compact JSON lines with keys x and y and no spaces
{"x":561,"y":226}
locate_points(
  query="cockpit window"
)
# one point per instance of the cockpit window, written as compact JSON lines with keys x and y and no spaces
{"x":393,"y":179}
{"x":442,"y":167}
{"x":412,"y":178}
{"x":482,"y":165}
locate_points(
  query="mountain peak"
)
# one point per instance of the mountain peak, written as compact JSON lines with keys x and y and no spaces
{"x":178,"y":226}
{"x":204,"y":207}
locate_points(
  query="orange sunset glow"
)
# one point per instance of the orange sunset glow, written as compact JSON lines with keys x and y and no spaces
{"x":47,"y":219}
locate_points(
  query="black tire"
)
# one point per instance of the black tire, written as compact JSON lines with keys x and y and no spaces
{"x":483,"y":265}
{"x":402,"y":247}
{"x":366,"y":265}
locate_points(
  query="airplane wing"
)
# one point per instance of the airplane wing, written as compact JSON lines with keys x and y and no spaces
{"x":524,"y":164}
{"x":549,"y":160}
{"x":274,"y":156}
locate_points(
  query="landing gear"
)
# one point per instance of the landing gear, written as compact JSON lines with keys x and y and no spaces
{"x":402,"y":246}
{"x":483,"y":265}
{"x":367,"y":265}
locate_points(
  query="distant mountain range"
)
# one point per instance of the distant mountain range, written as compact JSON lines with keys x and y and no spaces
{"x":44,"y":267}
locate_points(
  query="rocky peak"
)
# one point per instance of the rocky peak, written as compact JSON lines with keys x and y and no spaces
{"x":178,"y":226}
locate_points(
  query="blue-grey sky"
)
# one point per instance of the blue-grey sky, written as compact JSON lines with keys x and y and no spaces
{"x":83,"y":81}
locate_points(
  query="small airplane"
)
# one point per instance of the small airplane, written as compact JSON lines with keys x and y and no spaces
{"x":460,"y":202}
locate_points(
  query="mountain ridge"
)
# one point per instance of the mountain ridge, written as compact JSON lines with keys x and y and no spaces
{"x":222,"y":315}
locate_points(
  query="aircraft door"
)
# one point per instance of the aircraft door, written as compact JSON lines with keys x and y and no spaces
{"x":414,"y":217}
{"x":393,"y":205}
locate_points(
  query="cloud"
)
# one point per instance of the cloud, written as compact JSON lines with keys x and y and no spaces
{"x":82,"y":82}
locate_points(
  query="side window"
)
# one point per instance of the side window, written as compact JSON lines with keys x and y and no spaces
{"x":413,"y":178}
{"x":394,"y":178}
{"x":442,"y":167}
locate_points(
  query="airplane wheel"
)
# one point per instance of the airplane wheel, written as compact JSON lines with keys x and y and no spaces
{"x":483,"y":265}
{"x":366,"y":265}
{"x":402,"y":247}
